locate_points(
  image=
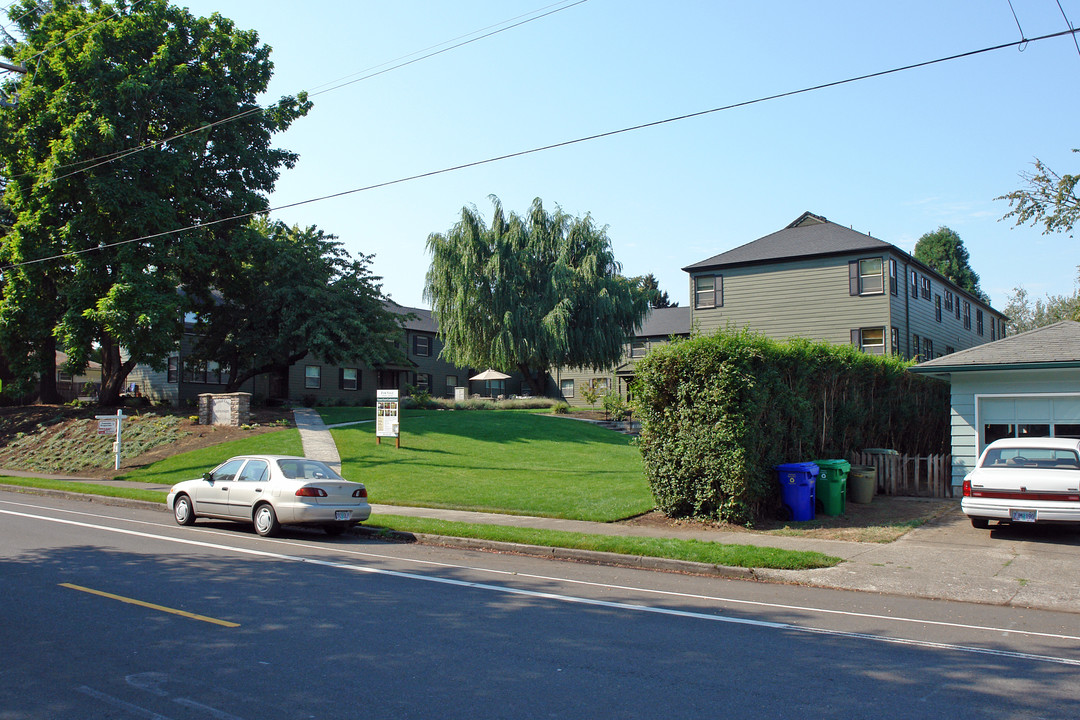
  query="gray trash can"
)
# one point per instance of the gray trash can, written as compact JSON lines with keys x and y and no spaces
{"x":862,"y":483}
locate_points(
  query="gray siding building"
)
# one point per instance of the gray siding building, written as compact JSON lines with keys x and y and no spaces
{"x":311,"y":378}
{"x":818,"y":280}
{"x":658,"y":328}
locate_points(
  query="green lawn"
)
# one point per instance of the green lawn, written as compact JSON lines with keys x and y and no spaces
{"x":508,"y":461}
{"x":85,"y":488}
{"x":193,"y":464}
{"x":749,"y":556}
{"x":335,"y":415}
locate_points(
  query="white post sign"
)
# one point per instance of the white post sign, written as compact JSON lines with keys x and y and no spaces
{"x":109,"y":424}
{"x":387,"y":413}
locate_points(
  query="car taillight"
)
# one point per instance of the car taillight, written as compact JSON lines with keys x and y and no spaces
{"x":360,"y":493}
{"x":310,"y":492}
{"x":967,"y":488}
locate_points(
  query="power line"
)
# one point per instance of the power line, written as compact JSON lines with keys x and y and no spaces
{"x":80,"y":32}
{"x":452,"y":40}
{"x":552,"y":146}
{"x":121,"y":154}
{"x":1069,"y":24}
{"x":1017,"y":20}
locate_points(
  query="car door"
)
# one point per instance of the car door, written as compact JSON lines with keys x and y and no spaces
{"x":250,"y":485}
{"x":212,"y":496}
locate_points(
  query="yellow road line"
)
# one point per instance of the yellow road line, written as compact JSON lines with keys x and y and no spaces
{"x":152,"y":606}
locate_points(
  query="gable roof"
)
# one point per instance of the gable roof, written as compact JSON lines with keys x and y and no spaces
{"x":1056,"y":345}
{"x":665,"y":322}
{"x":423,"y":322}
{"x":808,"y":235}
{"x":811,"y":235}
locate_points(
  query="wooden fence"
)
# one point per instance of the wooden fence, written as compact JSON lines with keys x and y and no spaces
{"x":910,"y":475}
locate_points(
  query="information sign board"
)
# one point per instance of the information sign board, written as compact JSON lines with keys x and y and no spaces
{"x":387,"y":412}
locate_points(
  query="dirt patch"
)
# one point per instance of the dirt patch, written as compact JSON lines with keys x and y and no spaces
{"x":59,"y":439}
{"x":883,"y":520}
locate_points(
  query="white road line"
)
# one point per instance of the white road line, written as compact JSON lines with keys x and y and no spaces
{"x":590,"y":583}
{"x":122,"y":704}
{"x":566,"y":598}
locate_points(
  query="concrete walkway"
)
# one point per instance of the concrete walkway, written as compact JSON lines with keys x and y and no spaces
{"x":316,"y":438}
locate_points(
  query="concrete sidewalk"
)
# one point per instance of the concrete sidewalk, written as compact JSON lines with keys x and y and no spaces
{"x":1033,"y":566}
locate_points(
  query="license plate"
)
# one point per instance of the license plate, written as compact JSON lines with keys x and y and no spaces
{"x":346,"y":514}
{"x":1022,"y":515}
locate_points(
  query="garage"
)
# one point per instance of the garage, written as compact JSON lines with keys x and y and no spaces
{"x":1027,"y":416}
{"x":1026,"y":385}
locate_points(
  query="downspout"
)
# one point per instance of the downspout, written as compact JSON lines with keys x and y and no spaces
{"x":907,"y":311}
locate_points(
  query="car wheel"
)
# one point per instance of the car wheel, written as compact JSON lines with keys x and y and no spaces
{"x":266,"y":522}
{"x":980,"y":523}
{"x":334,"y":529}
{"x":183,"y":511}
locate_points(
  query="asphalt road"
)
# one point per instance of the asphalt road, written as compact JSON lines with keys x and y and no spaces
{"x":109,"y":612}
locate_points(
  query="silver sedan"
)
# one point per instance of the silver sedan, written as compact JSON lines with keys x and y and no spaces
{"x":271,"y":490}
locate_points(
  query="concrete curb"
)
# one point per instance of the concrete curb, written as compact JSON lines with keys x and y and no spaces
{"x":88,"y":497}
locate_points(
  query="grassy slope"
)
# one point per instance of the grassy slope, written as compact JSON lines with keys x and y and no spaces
{"x":514,"y":462}
{"x":193,"y":464}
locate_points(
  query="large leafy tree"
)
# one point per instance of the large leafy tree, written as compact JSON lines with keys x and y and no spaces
{"x":944,"y":251}
{"x":120,"y":137}
{"x":530,"y":292}
{"x":293,"y":291}
{"x":1049,"y":200}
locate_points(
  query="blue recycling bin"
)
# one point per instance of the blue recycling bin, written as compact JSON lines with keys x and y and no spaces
{"x":798,"y":483}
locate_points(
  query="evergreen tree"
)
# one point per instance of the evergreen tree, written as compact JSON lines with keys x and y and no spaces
{"x":944,"y":251}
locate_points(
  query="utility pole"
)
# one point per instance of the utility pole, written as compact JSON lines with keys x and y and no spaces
{"x":4,"y":102}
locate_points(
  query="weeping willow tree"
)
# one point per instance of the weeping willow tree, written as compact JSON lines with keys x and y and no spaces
{"x":529,"y":293}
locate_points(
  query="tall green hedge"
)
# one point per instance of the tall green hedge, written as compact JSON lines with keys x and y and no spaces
{"x":720,"y":411}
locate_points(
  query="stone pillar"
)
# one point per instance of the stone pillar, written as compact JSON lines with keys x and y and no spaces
{"x":224,"y":408}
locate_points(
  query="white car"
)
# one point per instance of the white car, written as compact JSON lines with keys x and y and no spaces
{"x":271,"y":490}
{"x":1024,"y":480}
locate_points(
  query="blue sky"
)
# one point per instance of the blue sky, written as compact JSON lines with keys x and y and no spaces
{"x":895,"y":157}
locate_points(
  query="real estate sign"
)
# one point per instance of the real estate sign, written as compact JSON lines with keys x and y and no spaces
{"x":387,"y":410}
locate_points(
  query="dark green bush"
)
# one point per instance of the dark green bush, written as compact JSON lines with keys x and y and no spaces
{"x":720,"y":411}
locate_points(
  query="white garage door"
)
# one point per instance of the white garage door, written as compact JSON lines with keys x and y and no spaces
{"x":1029,"y":416}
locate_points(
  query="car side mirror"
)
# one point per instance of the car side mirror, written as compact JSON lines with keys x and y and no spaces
{"x":208,"y":477}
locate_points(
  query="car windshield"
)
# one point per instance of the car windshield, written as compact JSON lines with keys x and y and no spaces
{"x":1028,"y":457}
{"x":306,"y":470}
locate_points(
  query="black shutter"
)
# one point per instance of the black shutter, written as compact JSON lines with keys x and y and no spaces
{"x":853,"y":278}
{"x":856,"y":338}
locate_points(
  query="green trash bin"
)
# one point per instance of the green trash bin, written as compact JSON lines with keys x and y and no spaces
{"x":832,"y":485}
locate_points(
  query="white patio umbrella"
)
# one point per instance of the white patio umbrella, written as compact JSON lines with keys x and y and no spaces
{"x":487,"y":376}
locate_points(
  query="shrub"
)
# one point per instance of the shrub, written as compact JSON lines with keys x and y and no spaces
{"x":615,"y":406}
{"x":590,"y":392}
{"x":720,"y":411}
{"x":560,"y":408}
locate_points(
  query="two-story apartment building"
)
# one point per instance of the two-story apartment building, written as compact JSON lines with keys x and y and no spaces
{"x":658,"y":327}
{"x":818,"y":280}
{"x":311,"y":378}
